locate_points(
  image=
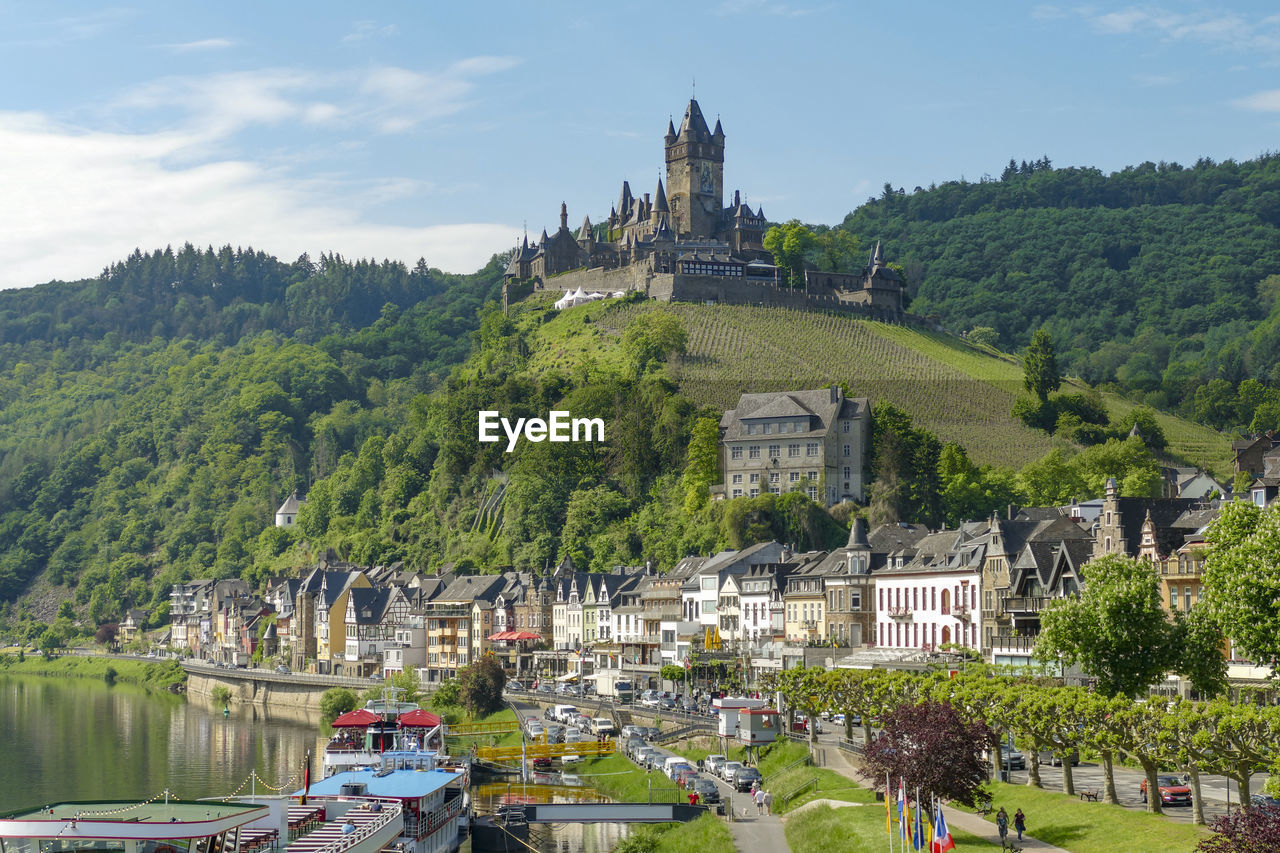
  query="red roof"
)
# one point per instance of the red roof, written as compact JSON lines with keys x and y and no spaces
{"x":419,"y":719}
{"x":359,"y":718}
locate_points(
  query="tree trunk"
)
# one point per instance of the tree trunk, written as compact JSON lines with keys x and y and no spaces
{"x":996,"y":758}
{"x":1245,"y":771}
{"x":1033,"y":770}
{"x":1153,"y":786}
{"x":1197,"y":805}
{"x":866,"y":730}
{"x":1068,"y":780}
{"x":1109,"y":778}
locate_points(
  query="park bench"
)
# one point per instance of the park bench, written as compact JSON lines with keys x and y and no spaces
{"x":1091,"y":795}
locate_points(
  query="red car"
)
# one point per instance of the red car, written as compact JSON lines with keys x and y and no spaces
{"x":1173,"y":791}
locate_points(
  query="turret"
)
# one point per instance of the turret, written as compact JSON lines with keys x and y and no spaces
{"x":585,"y":232}
{"x":717,"y":135}
{"x":671,"y":133}
{"x":564,"y":217}
{"x":660,"y":200}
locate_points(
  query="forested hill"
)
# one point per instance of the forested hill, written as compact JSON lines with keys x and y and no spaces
{"x":154,"y":417}
{"x":1158,"y":277}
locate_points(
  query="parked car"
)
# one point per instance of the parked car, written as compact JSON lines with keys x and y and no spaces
{"x":651,"y":732}
{"x":1011,"y":758}
{"x":1048,"y":757}
{"x":648,"y":699}
{"x":631,"y":731}
{"x":744,"y":776}
{"x":706,"y":789}
{"x":666,"y":704}
{"x":282,"y":669}
{"x":515,"y":686}
{"x":602,"y":726}
{"x":684,"y":776}
{"x":673,"y":771}
{"x":542,"y":763}
{"x":712,"y":763}
{"x":573,"y":734}
{"x":1173,"y":791}
{"x":546,"y":688}
{"x":555,"y":733}
{"x":727,"y":770}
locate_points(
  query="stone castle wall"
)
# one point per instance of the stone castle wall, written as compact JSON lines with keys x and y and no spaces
{"x":721,"y":290}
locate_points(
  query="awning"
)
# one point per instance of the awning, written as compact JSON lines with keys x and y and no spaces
{"x":501,"y":635}
{"x":515,"y":635}
{"x":419,"y":719}
{"x":573,"y":676}
{"x":358,"y":718}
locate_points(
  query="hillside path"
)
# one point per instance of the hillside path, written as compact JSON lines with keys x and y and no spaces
{"x":756,"y":833}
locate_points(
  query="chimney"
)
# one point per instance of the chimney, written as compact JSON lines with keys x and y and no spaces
{"x":1011,"y":512}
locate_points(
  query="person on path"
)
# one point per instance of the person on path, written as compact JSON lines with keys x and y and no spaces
{"x":1002,"y":825}
{"x":768,"y":803}
{"x":693,"y":798}
{"x":758,"y":796}
{"x":1019,"y":823}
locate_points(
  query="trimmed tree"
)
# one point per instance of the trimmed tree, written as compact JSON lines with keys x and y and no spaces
{"x":482,"y":684}
{"x":1242,"y":578}
{"x":1040,"y":373}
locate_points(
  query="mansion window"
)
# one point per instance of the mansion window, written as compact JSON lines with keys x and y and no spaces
{"x":855,"y":599}
{"x":794,"y":476}
{"x":753,"y":452}
{"x":755,"y":493}
{"x":844,"y":425}
{"x":848,"y":450}
{"x":813,"y":475}
{"x":737,"y":478}
{"x":735,"y":453}
{"x":813,"y":493}
{"x":755,"y":478}
{"x":793,"y":451}
{"x":774,"y":477}
{"x":775,"y":450}
{"x":737,"y":493}
{"x":811,"y":449}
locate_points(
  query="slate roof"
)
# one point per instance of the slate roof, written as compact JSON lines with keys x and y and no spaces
{"x":1164,"y":513}
{"x":823,"y":405}
{"x":891,"y":537}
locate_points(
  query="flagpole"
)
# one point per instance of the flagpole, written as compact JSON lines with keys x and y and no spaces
{"x":888,"y":798}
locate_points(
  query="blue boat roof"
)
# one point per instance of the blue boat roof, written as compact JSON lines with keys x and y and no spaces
{"x":405,"y":784}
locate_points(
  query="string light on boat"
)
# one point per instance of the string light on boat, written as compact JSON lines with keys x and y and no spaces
{"x":164,"y":793}
{"x":254,"y":777}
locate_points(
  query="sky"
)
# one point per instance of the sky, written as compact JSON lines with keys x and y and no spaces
{"x":443,"y":130}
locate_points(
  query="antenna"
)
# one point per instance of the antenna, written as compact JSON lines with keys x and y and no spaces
{"x":693,"y":89}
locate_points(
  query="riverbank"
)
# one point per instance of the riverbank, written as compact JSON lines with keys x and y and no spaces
{"x":159,"y":675}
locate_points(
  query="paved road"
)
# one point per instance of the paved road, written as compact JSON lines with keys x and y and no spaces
{"x":1089,"y":775}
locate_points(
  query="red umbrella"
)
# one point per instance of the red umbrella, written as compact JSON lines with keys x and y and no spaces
{"x":526,"y":635}
{"x":501,"y":635}
{"x":420,"y":719}
{"x":357,"y":718}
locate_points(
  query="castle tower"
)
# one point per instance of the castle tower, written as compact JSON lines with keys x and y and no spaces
{"x":695,"y":175}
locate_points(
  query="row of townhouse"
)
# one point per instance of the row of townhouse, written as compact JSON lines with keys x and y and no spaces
{"x":899,"y":587}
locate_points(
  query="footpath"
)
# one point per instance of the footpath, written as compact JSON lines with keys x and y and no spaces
{"x":753,"y":832}
{"x":837,"y":760}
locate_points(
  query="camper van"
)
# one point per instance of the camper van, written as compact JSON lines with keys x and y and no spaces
{"x":564,"y":713}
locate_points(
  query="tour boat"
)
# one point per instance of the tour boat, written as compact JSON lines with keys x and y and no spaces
{"x":362,"y":736}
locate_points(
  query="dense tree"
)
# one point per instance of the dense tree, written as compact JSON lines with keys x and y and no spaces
{"x":1040,"y":366}
{"x":1252,"y":830}
{"x":1242,"y":578}
{"x":931,"y":747}
{"x":1116,"y":629}
{"x":790,"y":244}
{"x":480,"y":686}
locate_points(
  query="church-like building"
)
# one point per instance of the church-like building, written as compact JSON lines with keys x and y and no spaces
{"x":683,"y":243}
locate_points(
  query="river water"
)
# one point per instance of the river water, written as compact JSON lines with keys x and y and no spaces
{"x":80,"y":739}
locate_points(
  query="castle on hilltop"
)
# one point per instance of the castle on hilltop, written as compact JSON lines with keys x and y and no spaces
{"x":682,"y":243}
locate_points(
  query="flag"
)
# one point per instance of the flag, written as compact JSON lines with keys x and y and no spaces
{"x":306,"y":779}
{"x":917,"y":827}
{"x":888,"y":808}
{"x":904,"y":811}
{"x":941,"y":835}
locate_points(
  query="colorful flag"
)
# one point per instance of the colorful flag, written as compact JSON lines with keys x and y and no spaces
{"x":941,"y":835}
{"x":904,"y":812}
{"x":306,"y":779}
{"x":917,"y":827}
{"x":888,"y":809}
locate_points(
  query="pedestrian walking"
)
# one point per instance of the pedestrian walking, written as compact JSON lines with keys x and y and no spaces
{"x":693,"y":798}
{"x":1002,"y":825}
{"x":758,"y":796}
{"x":1019,"y":822}
{"x":768,"y":803}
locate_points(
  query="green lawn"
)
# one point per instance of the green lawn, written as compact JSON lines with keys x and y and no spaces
{"x":617,"y":777}
{"x":158,"y":674}
{"x":856,"y":829}
{"x":1084,"y":827}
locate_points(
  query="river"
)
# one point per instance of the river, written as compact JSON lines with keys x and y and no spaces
{"x":80,"y":739}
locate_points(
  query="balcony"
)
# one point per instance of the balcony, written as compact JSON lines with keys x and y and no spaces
{"x":960,"y":611}
{"x":900,"y":612}
{"x":1025,"y":604}
{"x":1003,"y":642}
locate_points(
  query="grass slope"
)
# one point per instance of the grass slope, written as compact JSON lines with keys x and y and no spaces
{"x":957,"y":391}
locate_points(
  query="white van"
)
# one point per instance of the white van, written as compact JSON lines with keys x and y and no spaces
{"x":672,"y":761}
{"x":602,"y":726}
{"x":562,"y":713}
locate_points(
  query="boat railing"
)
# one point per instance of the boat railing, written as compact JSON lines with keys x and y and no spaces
{"x":371,"y":822}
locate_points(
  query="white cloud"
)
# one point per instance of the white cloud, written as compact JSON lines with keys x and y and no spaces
{"x":369,"y":29}
{"x":1219,"y":28}
{"x":1264,"y":102}
{"x":202,"y":44}
{"x":79,"y":200}
{"x":763,"y":7}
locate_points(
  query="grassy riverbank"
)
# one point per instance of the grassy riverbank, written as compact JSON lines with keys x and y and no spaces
{"x":618,"y":778}
{"x":856,"y":829}
{"x":161,"y":675}
{"x":792,"y":782}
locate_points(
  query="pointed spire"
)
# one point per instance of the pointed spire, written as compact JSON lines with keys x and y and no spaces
{"x":585,"y":233}
{"x":624,"y":201}
{"x":660,"y":199}
{"x":717,"y":135}
{"x":543,"y":241}
{"x":877,"y":258}
{"x":671,"y":132}
{"x":858,"y":534}
{"x":1137,"y":433}
{"x":694,"y":126}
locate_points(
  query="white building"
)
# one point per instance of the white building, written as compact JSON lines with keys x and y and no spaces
{"x":287,"y":514}
{"x":929,"y":595}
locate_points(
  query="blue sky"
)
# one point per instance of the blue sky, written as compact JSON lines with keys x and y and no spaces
{"x":431,"y":129}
